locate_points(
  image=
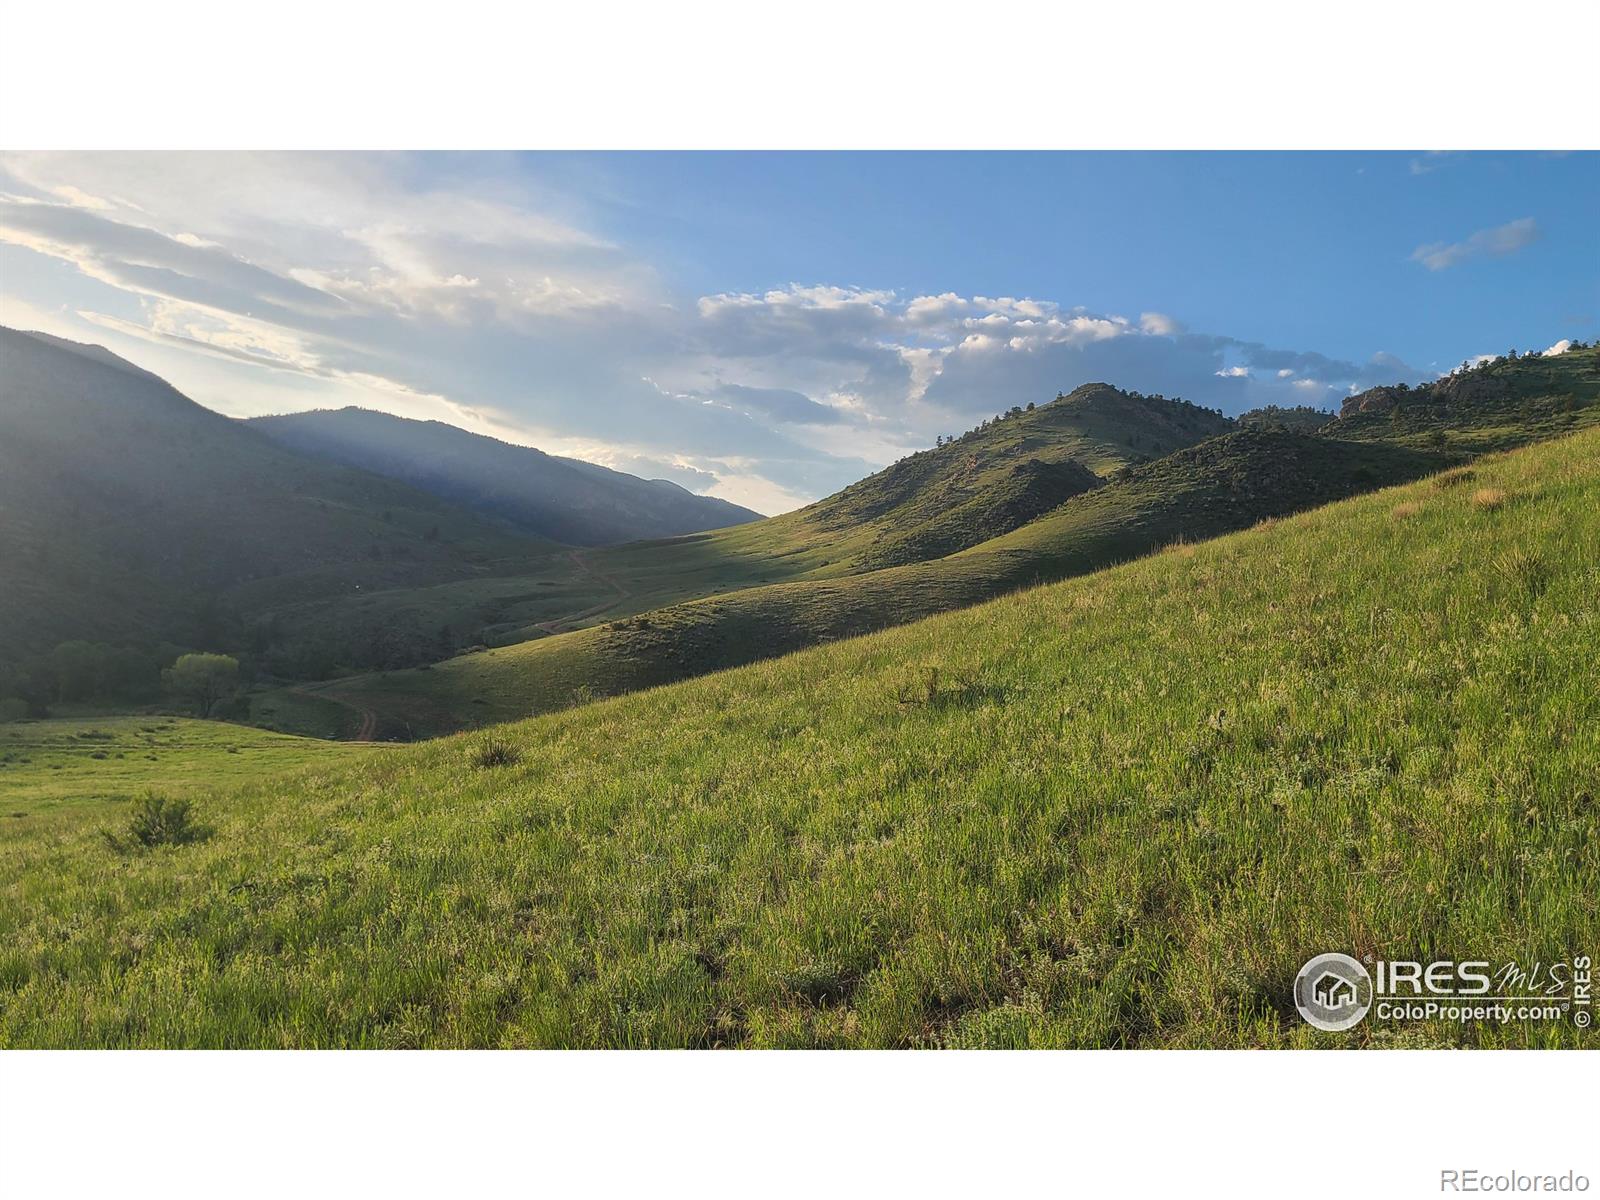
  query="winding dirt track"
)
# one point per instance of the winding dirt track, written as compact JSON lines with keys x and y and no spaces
{"x":366,"y":731}
{"x":564,"y":623}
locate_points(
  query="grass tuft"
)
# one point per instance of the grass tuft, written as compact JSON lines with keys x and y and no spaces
{"x":1525,"y":570}
{"x":1405,"y":510}
{"x":495,"y":753}
{"x":1488,"y":499}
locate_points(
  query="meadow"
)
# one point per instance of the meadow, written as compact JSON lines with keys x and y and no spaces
{"x":1115,"y":811}
{"x":72,"y":760}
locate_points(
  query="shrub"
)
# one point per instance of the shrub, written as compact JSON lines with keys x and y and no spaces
{"x":161,"y":821}
{"x":1488,"y":499}
{"x":495,"y":753}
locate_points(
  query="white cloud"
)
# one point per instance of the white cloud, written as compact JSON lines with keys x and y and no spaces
{"x":1560,"y":347}
{"x":1233,"y":373}
{"x":1494,"y":243}
{"x":1159,"y":324}
{"x":1471,"y":361}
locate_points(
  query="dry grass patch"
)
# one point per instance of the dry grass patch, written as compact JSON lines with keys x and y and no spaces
{"x":1454,"y":478}
{"x":1488,"y":499}
{"x":1405,"y":511}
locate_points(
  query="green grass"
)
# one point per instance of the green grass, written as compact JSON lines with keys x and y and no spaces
{"x":46,"y":764}
{"x":1116,"y":811}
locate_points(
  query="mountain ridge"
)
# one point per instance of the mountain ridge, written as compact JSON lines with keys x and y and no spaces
{"x":564,"y":499}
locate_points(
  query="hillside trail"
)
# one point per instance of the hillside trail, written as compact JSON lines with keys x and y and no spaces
{"x":563,"y":623}
{"x":366,"y":731}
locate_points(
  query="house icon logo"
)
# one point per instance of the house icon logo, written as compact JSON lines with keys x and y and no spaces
{"x":1333,"y":992}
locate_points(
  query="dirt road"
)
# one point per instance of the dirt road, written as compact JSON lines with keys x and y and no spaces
{"x":563,"y":623}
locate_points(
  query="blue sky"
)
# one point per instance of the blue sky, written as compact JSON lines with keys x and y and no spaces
{"x":768,"y":327}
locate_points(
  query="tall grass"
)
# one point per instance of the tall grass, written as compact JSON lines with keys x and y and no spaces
{"x":1116,"y":811}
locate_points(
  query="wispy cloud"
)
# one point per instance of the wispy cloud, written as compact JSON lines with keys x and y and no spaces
{"x":1431,"y":161}
{"x":1491,"y":243}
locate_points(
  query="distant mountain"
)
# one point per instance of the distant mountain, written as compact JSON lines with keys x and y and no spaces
{"x":129,"y":513}
{"x":997,"y":477}
{"x":559,"y":498}
{"x":1498,"y":404}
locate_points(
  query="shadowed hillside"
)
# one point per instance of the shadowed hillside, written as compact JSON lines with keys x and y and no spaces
{"x":128,"y":512}
{"x":558,"y":498}
{"x":929,"y":504}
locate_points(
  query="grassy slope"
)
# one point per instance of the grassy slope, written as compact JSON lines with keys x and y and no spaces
{"x":1124,"y":811}
{"x":1224,"y":484}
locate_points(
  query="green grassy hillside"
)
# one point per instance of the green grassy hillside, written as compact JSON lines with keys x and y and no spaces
{"x":1223,"y":484}
{"x":1116,"y":811}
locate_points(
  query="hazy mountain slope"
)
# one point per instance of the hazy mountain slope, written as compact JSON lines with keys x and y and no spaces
{"x":1118,"y":811}
{"x":128,"y":512}
{"x":559,"y":498}
{"x":1224,"y":484}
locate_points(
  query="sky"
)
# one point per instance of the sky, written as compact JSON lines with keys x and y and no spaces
{"x":770,"y":327}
